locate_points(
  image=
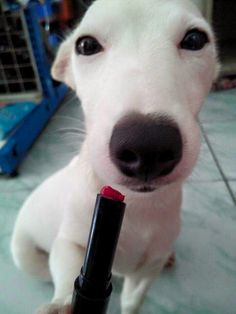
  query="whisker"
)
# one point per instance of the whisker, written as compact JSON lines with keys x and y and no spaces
{"x":56,"y":145}
{"x":57,"y":134}
{"x":71,"y":130}
{"x":77,"y":119}
{"x":71,"y":139}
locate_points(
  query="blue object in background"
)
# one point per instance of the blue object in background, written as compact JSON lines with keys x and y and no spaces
{"x":44,"y":9}
{"x":11,"y":115}
{"x":14,"y":147}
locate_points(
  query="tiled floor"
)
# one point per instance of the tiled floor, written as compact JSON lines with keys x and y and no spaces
{"x":204,"y":279}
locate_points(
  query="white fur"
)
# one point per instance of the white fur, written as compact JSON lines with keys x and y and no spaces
{"x":141,"y":69}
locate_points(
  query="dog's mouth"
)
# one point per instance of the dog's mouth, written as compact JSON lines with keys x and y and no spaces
{"x":143,"y":189}
{"x":148,"y":187}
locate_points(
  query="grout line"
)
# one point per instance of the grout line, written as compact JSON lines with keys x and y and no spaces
{"x":218,"y":164}
{"x":205,"y":180}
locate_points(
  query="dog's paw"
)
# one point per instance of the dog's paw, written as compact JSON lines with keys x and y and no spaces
{"x":54,"y":308}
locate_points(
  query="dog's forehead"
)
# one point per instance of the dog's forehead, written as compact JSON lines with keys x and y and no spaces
{"x":143,"y":5}
{"x":109,"y":15}
{"x":139,"y":8}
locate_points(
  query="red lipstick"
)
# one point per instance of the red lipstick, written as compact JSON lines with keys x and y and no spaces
{"x":109,"y":192}
{"x":93,"y":287}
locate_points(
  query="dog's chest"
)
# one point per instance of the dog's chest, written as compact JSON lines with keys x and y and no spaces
{"x":147,"y":236}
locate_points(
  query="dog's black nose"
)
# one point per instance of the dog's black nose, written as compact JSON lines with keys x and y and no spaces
{"x":145,"y":147}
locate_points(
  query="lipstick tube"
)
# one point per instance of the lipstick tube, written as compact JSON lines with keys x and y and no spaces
{"x":93,"y":287}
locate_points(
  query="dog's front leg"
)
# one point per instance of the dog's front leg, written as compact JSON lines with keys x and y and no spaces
{"x":66,"y":259}
{"x":133,"y":293}
{"x":135,"y":288}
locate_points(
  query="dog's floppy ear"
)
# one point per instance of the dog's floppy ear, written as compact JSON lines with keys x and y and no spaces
{"x":61,"y":68}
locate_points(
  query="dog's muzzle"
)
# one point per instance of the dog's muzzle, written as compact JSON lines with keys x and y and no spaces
{"x":146,"y":147}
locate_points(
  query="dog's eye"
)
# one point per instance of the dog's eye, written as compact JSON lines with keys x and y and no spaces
{"x":87,"y":46}
{"x":194,"y":40}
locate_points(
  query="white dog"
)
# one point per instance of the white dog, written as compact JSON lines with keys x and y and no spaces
{"x":141,"y":69}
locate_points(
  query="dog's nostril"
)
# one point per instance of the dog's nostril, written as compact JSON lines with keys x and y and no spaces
{"x":167,"y":168}
{"x":128,"y":156}
{"x":167,"y":156}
